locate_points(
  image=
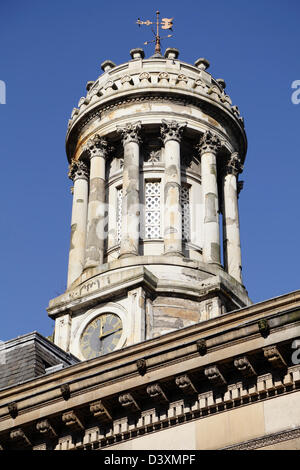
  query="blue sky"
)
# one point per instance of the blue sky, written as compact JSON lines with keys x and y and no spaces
{"x":50,"y":49}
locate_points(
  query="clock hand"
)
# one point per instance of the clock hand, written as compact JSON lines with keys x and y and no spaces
{"x":110,"y":332}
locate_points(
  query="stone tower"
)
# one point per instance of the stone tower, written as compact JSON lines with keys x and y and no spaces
{"x":155,"y":150}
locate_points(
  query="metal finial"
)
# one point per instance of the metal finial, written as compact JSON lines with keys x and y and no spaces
{"x":166,"y":23}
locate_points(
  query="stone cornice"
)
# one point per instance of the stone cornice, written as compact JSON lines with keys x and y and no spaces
{"x":226,"y":330}
{"x":200,"y":101}
{"x":204,"y":376}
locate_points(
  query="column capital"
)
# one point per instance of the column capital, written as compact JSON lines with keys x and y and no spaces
{"x":234,"y":165}
{"x":209,"y":142}
{"x":130,"y":133}
{"x":78,"y":170}
{"x":172,"y":130}
{"x":96,"y":146}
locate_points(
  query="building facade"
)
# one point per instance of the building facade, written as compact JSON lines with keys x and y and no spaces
{"x":159,"y":344}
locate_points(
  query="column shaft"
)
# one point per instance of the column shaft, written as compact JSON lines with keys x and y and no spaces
{"x":78,"y":222}
{"x":172,"y":209}
{"x":171,"y":133}
{"x":129,"y":245}
{"x":96,"y":147}
{"x":209,"y":145}
{"x":231,"y":226}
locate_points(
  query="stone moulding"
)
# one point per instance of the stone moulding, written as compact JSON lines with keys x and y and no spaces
{"x":187,"y":393}
{"x":265,"y":441}
{"x":96,"y":111}
{"x":176,"y":413}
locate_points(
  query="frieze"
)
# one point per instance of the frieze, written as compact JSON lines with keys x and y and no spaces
{"x":96,"y":114}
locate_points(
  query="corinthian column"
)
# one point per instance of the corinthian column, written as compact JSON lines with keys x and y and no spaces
{"x":208,"y":148}
{"x":231,"y":226}
{"x":79,"y":174}
{"x":97,"y":149}
{"x":171,"y":132}
{"x":129,"y":245}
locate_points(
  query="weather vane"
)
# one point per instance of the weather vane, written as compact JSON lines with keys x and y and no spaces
{"x":166,"y":23}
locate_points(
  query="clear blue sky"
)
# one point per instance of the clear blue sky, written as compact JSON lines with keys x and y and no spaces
{"x":50,"y":49}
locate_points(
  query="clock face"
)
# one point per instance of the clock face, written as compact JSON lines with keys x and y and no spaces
{"x":101,"y":335}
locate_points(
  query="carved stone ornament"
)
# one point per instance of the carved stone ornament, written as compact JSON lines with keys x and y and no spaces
{"x":78,"y":170}
{"x":185,"y":384}
{"x":182,"y":78}
{"x":96,"y":146}
{"x":127,"y":401}
{"x":154,"y":156}
{"x":156,"y":392}
{"x":75,"y":112}
{"x":110,"y":85}
{"x":65,"y":391}
{"x":214,"y":375}
{"x":244,"y":366}
{"x":13,"y":409}
{"x":234,"y":165}
{"x":274,"y":357}
{"x":172,"y":130}
{"x":145,"y":76}
{"x":209,"y":142}
{"x":99,"y":411}
{"x":83,"y":100}
{"x":201,"y":346}
{"x":163,"y":76}
{"x":19,"y":436}
{"x":198,"y":83}
{"x":45,"y":428}
{"x":264,"y":327}
{"x":126,"y":79}
{"x":141,"y":366}
{"x":72,"y":420}
{"x":130,"y":133}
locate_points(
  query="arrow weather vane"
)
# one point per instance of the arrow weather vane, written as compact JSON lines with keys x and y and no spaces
{"x":166,"y":23}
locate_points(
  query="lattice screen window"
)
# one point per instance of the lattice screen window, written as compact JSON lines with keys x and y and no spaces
{"x":119,"y":213}
{"x":185,"y":207}
{"x":152,"y":209}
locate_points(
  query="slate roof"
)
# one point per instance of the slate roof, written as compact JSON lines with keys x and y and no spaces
{"x":29,"y":356}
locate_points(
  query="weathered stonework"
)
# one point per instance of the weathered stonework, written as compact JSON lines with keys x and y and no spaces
{"x":168,"y":124}
{"x":242,"y":393}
